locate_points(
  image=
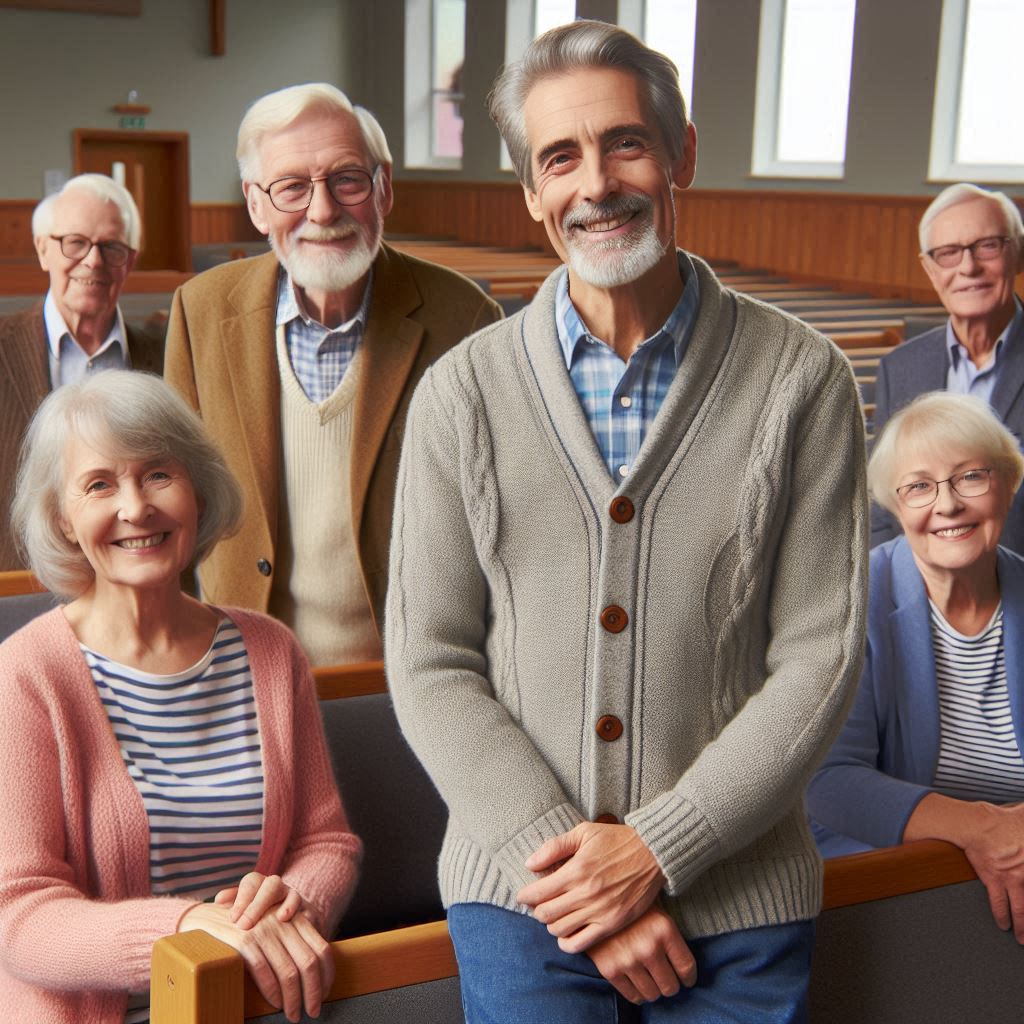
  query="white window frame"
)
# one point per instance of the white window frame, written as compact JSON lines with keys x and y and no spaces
{"x":942,"y":162}
{"x":764,"y":162}
{"x":419,"y":91}
{"x":632,"y":16}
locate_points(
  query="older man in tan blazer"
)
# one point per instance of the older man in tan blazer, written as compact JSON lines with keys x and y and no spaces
{"x":302,"y":362}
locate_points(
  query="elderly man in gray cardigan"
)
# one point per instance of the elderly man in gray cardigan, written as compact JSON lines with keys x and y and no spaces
{"x":627,"y":591}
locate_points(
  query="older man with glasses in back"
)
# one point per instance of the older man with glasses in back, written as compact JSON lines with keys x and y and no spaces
{"x":972,"y":249}
{"x":87,"y":238}
{"x":302,"y":363}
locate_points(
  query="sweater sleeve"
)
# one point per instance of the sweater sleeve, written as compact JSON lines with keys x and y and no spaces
{"x":496,"y":784}
{"x":813,"y":578}
{"x":52,"y":934}
{"x":322,"y":858}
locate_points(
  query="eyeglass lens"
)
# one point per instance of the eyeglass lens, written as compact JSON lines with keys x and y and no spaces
{"x":983,"y":249}
{"x":77,"y":247}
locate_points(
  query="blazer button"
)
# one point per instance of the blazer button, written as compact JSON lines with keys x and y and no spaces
{"x":264,"y":567}
{"x":621,"y":510}
{"x":608,"y":728}
{"x":614,"y":618}
{"x":606,"y":819}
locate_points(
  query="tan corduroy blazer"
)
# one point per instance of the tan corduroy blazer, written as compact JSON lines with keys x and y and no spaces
{"x":24,"y":383}
{"x":221,"y":357}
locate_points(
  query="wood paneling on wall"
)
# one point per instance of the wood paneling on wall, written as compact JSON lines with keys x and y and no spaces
{"x":16,"y":231}
{"x":221,"y":222}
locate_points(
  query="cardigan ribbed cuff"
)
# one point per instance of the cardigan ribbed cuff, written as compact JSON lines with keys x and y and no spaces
{"x":512,"y":855}
{"x":679,"y":836}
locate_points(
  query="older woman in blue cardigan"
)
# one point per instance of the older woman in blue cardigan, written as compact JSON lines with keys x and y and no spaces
{"x":933,"y":746}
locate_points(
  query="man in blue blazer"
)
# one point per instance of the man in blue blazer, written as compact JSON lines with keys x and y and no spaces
{"x":972,"y":248}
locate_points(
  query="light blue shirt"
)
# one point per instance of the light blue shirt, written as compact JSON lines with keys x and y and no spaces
{"x":620,"y":400}
{"x":69,"y":362}
{"x":319,"y":355}
{"x":963,"y":377}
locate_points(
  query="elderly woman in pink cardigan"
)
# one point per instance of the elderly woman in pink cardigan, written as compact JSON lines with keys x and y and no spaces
{"x":162,"y":763}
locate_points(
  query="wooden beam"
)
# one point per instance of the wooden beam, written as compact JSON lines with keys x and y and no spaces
{"x":19,"y":581}
{"x":218,"y":29}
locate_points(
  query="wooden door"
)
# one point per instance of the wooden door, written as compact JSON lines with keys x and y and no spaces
{"x":156,"y":174}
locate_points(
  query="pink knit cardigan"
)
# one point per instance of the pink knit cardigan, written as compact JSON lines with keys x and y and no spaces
{"x":77,"y":920}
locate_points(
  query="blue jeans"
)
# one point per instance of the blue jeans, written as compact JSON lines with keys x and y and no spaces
{"x":512,"y":972}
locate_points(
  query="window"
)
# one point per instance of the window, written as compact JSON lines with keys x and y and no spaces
{"x":433,"y":82}
{"x":524,"y":21}
{"x":803,"y":88}
{"x":668,"y":26}
{"x":977,"y":90}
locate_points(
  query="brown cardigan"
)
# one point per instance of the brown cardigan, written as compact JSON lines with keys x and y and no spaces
{"x":24,"y":383}
{"x":221,"y":357}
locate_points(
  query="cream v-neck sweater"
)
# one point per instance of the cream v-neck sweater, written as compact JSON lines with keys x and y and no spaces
{"x":741,"y":574}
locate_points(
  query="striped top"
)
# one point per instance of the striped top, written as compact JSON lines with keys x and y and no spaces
{"x":978,"y":754}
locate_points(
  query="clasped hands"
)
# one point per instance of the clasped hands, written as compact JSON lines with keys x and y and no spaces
{"x":599,"y":898}
{"x":269,"y":924}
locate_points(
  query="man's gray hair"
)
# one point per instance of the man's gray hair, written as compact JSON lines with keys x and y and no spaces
{"x":963,"y":192}
{"x":102,"y":186}
{"x":586,"y":44}
{"x":129,"y":415}
{"x":279,"y":109}
{"x":942,"y":422}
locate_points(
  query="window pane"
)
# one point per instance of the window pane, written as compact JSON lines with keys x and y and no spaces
{"x":449,"y":51}
{"x":814,"y":91}
{"x":991,"y":85}
{"x":549,"y":13}
{"x":669,"y":27}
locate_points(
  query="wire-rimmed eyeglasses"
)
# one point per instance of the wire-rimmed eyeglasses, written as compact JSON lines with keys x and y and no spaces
{"x":983,"y":249}
{"x":971,"y":483}
{"x":77,"y":247}
{"x":348,"y":187}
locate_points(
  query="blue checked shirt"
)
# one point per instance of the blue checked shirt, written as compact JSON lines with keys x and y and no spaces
{"x":319,"y":356}
{"x":620,"y":400}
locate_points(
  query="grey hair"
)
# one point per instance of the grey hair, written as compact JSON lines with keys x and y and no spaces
{"x":102,"y":186}
{"x":128,"y":414}
{"x":585,"y":44}
{"x":943,"y":422}
{"x":279,"y":109}
{"x":963,"y":192}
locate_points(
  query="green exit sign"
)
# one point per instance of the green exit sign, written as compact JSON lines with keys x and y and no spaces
{"x":133,"y":121}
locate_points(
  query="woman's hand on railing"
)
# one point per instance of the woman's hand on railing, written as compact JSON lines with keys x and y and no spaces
{"x":255,"y":895}
{"x":290,"y":961}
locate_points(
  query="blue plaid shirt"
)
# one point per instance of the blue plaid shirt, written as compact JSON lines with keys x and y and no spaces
{"x":319,"y":356}
{"x":620,"y":400}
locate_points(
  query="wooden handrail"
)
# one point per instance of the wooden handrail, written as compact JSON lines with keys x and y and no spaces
{"x":356,"y":680}
{"x":191,"y":975}
{"x":19,"y":581}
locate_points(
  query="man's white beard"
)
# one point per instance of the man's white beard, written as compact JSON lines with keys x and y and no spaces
{"x":327,"y":270}
{"x":616,"y":261}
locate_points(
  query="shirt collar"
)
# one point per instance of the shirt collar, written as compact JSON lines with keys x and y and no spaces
{"x":957,"y":352}
{"x":288,"y":308}
{"x":677,"y":328}
{"x":56,"y":328}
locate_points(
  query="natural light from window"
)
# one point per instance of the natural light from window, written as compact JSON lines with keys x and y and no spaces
{"x":669,"y":27}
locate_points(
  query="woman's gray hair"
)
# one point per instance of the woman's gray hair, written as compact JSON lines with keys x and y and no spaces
{"x":126,"y":414}
{"x":942,"y":422}
{"x":99,"y":185}
{"x":585,"y":44}
{"x":279,"y":109}
{"x":964,"y":192}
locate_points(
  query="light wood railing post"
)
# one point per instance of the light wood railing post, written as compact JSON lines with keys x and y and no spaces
{"x":196,"y":979}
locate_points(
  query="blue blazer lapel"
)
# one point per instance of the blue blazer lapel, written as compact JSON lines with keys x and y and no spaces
{"x":1010,"y":377}
{"x":1011,"y":586}
{"x":918,"y":696}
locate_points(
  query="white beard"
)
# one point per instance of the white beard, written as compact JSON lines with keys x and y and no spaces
{"x":325,"y":270}
{"x":616,"y":261}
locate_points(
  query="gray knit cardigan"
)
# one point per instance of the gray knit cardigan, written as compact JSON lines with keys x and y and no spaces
{"x":742,"y":573}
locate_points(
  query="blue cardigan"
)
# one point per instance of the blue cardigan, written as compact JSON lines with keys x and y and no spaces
{"x":884,"y":760}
